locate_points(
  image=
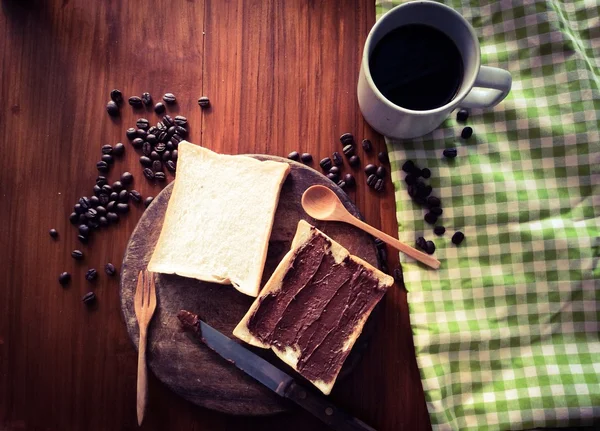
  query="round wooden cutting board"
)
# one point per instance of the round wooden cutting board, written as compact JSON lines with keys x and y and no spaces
{"x":185,"y":365}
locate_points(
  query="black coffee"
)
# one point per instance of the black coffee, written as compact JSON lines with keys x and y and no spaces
{"x":417,"y":67}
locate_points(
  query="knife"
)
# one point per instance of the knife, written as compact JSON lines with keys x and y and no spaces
{"x":270,"y":376}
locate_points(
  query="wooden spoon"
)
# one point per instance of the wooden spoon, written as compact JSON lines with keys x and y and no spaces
{"x":322,"y":203}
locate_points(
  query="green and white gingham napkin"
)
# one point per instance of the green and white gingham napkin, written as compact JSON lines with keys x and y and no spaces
{"x":507,"y":332}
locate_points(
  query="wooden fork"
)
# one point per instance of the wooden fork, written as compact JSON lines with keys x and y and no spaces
{"x":145,"y":304}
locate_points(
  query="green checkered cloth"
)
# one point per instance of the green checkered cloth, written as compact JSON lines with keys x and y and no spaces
{"x":507,"y":331}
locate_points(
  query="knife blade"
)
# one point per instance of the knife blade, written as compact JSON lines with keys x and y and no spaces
{"x":272,"y":377}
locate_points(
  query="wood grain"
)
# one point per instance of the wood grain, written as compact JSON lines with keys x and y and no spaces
{"x":281,"y":76}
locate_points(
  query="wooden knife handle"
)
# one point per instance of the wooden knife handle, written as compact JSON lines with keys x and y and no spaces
{"x":320,"y":407}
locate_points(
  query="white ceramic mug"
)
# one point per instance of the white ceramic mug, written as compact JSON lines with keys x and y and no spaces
{"x":481,"y":87}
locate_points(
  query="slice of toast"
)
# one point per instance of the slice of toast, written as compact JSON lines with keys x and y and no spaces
{"x":314,"y":306}
{"x":219,"y":218}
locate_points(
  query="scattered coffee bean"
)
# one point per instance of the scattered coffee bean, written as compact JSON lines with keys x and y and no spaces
{"x":114,"y":196}
{"x":135,"y":196}
{"x":337,"y":159}
{"x":169,"y":146}
{"x":107,"y":149}
{"x":426,"y":191}
{"x":53,"y":233}
{"x":74,"y":218}
{"x":160,"y":147}
{"x":77,"y":254}
{"x":113,"y":109}
{"x":84,"y":230}
{"x":154,"y":156}
{"x":450,"y":153}
{"x":110,"y":269}
{"x":110,"y":207}
{"x":157,"y":166}
{"x":148,"y":200}
{"x":325,"y":164}
{"x":64,"y":278}
{"x":408,"y":166}
{"x":436,"y":210}
{"x":135,"y":101}
{"x":168,"y":122}
{"x":97,"y":190}
{"x":103,"y":221}
{"x":160,"y":176}
{"x":84,"y":202}
{"x":370,"y":169}
{"x":89,"y":298}
{"x":174,"y":155}
{"x":83,"y":239}
{"x":334,"y":170}
{"x":148,"y":173}
{"x":383,"y":157}
{"x":122,"y":208}
{"x":131,"y":133}
{"x":78,"y":209}
{"x":163,"y":137}
{"x":137,"y":143}
{"x":151,"y":140}
{"x":366,"y":144}
{"x":116,"y":96}
{"x":381,"y":172}
{"x":349,"y":180}
{"x":347,"y":138}
{"x":104,"y":199}
{"x":294,"y":156}
{"x":425,"y":173}
{"x":101,"y":180}
{"x":169,"y":98}
{"x":159,"y":108}
{"x":333,"y":177}
{"x":126,"y":178}
{"x":354,"y":161}
{"x":341,"y":184}
{"x":348,"y":150}
{"x":93,"y":224}
{"x":176,"y":139}
{"x":102,"y":166}
{"x":204,"y":102}
{"x":466,"y":133}
{"x":439,"y":230}
{"x":112,"y":217}
{"x":91,"y":214}
{"x":458,"y":237}
{"x":107,"y":189}
{"x":421,"y":243}
{"x":433,"y":201}
{"x":146,"y":148}
{"x":117,"y":186}
{"x":101,"y":210}
{"x":180,"y":120}
{"x":123,"y":196}
{"x":145,"y":161}
{"x":181,"y":131}
{"x":147,"y":99}
{"x":306,"y":157}
{"x":107,"y":158}
{"x":141,"y":133}
{"x":166,"y":156}
{"x":372,"y":180}
{"x":142,"y":124}
{"x":161,"y":126}
{"x":431,"y":218}
{"x":170,"y":164}
{"x":410,"y":179}
{"x":379,"y":185}
{"x":430,"y":248}
{"x":462,"y":115}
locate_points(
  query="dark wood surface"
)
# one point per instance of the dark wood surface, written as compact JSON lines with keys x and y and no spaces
{"x":281,"y":76}
{"x":191,"y":369}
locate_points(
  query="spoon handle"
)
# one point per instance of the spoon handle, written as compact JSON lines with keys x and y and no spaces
{"x":404,"y":248}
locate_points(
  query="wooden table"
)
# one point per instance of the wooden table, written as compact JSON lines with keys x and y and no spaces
{"x":281,"y":76}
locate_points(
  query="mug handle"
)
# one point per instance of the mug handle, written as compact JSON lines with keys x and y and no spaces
{"x":492,"y":85}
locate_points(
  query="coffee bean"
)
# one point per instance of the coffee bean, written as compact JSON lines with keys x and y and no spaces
{"x":325,"y":164}
{"x":74,"y":218}
{"x":370,"y":169}
{"x":84,"y":202}
{"x":84,"y":230}
{"x":161,"y":127}
{"x":91,"y":214}
{"x":408,"y":166}
{"x":181,"y":131}
{"x":160,"y":176}
{"x":171,"y":131}
{"x":306,"y":157}
{"x":349,"y":180}
{"x":157,"y":166}
{"x":135,"y":101}
{"x":77,"y":254}
{"x":166,"y":156}
{"x":101,"y":210}
{"x":107,"y":189}
{"x":159,"y":108}
{"x":116,"y":96}
{"x":169,"y":98}
{"x":169,"y":146}
{"x":433,"y":201}
{"x":108,"y":159}
{"x":135,"y":196}
{"x":89,"y":298}
{"x":347,"y":138}
{"x":107,"y":149}
{"x":176,"y":139}
{"x":148,"y":200}
{"x":160,"y":147}
{"x":148,"y":173}
{"x":145,"y":161}
{"x":425,"y":173}
{"x":83,"y":239}
{"x":170,"y":164}
{"x":102,"y":221}
{"x":112,"y":217}
{"x":381,"y":172}
{"x":379,"y":244}
{"x":142,"y":123}
{"x":123,"y":196}
{"x":131,"y":133}
{"x":398,"y":277}
{"x":379,"y":185}
{"x":117,"y":186}
{"x":78,"y":209}
{"x":141,"y":133}
{"x":450,"y":153}
{"x":174,"y":155}
{"x":426,"y":191}
{"x":341,"y":184}
{"x":137,"y":143}
{"x":366,"y":144}
{"x":104,"y":199}
{"x":154,"y":156}
{"x":383,"y":157}
{"x":151,"y":139}
{"x":337,"y":159}
{"x":430,"y":247}
{"x":110,"y":269}
{"x":348,"y":150}
{"x":114,"y":196}
{"x":436,"y":210}
{"x":466,"y":133}
{"x":147,"y":99}
{"x":431,"y":218}
{"x":439,"y":230}
{"x":64,"y":278}
{"x":97,"y":190}
{"x":53,"y":233}
{"x":372,"y":180}
{"x":82,"y":219}
{"x":126,"y":178}
{"x":334,"y":170}
{"x":168,"y":122}
{"x":122,"y":208}
{"x":421,"y":243}
{"x":118,"y":149}
{"x":458,"y":237}
{"x":333,"y":177}
{"x":102,"y":166}
{"x":354,"y":161}
{"x":101,"y":180}
{"x":110,"y":207}
{"x":462,"y":115}
{"x":204,"y":102}
{"x":163,"y":137}
{"x":146,"y":148}
{"x":180,"y":120}
{"x":113,"y":109}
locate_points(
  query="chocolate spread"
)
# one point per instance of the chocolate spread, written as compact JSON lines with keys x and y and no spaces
{"x":317,"y":309}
